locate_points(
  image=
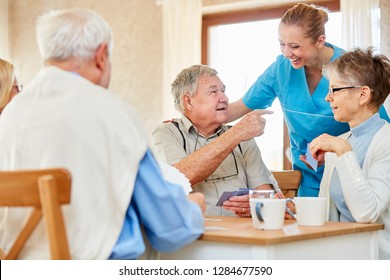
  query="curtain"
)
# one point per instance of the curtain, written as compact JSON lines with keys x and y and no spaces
{"x":182,"y":24}
{"x":361,"y":27}
{"x":4,"y":40}
{"x":360,"y":23}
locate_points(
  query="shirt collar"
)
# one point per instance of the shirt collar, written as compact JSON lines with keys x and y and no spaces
{"x":188,"y":126}
{"x":367,"y":127}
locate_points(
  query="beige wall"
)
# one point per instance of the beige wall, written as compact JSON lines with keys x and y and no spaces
{"x":137,"y":54}
{"x":4,"y":47}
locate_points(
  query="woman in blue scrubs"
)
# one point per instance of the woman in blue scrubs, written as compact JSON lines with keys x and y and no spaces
{"x":296,"y":79}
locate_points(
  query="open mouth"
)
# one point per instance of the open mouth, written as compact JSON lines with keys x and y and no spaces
{"x":295,"y":60}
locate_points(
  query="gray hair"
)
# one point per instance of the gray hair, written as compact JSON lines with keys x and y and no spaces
{"x":186,"y":82}
{"x":76,"y":32}
{"x":363,"y":67}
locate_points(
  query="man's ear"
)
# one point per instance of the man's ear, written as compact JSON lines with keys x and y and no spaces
{"x":101,"y":56}
{"x":187,"y":102}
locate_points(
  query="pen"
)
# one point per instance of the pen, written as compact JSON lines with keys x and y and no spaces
{"x":275,"y":183}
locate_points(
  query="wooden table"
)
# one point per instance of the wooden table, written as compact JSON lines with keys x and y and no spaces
{"x":235,"y":238}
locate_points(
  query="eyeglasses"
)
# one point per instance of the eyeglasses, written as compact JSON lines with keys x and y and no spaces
{"x":229,"y":177}
{"x":214,"y":180}
{"x":18,"y":88}
{"x":333,"y":90}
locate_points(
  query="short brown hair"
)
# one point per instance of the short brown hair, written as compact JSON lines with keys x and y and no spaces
{"x":364,"y":68}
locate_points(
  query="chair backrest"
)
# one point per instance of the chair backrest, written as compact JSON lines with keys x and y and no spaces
{"x":45,"y":190}
{"x":288,"y":180}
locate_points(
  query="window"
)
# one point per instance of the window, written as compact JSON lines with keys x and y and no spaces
{"x":240,"y":52}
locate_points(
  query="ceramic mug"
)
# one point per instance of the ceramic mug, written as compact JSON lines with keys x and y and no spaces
{"x":310,"y":211}
{"x":267,"y":213}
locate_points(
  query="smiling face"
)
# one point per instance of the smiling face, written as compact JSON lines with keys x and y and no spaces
{"x":207,"y":108}
{"x":300,"y":50}
{"x":346,"y":104}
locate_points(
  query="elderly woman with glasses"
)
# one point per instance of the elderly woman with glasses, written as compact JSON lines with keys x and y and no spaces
{"x":213,"y":157}
{"x":9,"y":86}
{"x":357,"y":164}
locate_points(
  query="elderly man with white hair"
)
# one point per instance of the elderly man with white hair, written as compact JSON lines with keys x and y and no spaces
{"x":66,"y":117}
{"x":214,"y":158}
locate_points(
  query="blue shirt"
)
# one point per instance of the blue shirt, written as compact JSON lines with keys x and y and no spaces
{"x":307,"y":116}
{"x":169,"y":220}
{"x":360,"y":140}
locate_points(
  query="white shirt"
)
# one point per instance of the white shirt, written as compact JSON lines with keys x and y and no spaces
{"x":47,"y":126}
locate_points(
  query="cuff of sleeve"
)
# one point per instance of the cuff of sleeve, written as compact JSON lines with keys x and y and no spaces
{"x":349,"y":169}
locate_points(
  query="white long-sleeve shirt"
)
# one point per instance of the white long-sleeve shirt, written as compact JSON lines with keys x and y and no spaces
{"x":366,"y":189}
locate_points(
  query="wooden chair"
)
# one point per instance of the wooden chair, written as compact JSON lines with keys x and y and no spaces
{"x":288,"y":181}
{"x":45,"y":190}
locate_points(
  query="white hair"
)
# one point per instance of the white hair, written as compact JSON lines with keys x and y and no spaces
{"x":76,"y":32}
{"x":186,"y":82}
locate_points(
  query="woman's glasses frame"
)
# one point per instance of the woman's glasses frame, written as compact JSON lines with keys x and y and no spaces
{"x":18,"y":88}
{"x":333,"y":90}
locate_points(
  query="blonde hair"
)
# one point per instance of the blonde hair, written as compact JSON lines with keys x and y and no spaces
{"x":310,"y":17}
{"x":7,"y":77}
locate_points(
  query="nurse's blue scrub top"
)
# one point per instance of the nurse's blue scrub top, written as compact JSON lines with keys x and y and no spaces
{"x":307,"y":116}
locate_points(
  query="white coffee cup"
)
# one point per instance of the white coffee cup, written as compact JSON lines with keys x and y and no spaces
{"x":309,"y":211}
{"x":267,"y":213}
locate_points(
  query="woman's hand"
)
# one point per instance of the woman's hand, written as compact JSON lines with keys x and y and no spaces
{"x":327,"y":143}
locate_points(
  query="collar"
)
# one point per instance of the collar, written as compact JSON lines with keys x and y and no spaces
{"x":189,"y":127}
{"x":367,"y":127}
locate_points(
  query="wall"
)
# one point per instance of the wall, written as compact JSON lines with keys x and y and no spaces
{"x":137,"y":54}
{"x":4,"y":47}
